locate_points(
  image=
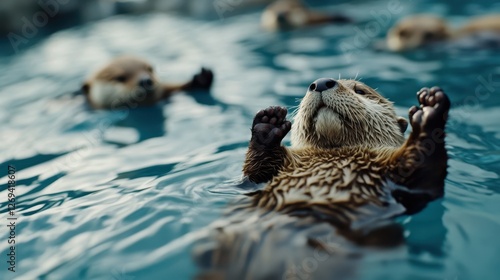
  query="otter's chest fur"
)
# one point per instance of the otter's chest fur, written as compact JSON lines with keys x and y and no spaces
{"x":336,"y":183}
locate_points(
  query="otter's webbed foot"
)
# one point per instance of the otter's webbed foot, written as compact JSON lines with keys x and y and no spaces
{"x":270,"y":127}
{"x":203,"y":80}
{"x":430,"y":118}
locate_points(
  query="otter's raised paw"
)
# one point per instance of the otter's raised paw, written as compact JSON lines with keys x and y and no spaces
{"x":270,"y":126}
{"x":203,"y":80}
{"x":433,"y":111}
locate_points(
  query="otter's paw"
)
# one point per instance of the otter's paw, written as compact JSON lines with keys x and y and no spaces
{"x":203,"y":80}
{"x":433,"y":111}
{"x":270,"y":126}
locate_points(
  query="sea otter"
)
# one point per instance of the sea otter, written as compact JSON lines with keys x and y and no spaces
{"x":131,"y":81}
{"x":421,"y":30}
{"x":287,"y":14}
{"x":331,"y":196}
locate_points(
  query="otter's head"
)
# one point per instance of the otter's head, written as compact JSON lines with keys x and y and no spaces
{"x":284,"y":14}
{"x":417,"y":31}
{"x":342,"y":113}
{"x":124,"y":81}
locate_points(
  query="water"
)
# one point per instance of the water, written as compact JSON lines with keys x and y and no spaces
{"x":121,"y":195}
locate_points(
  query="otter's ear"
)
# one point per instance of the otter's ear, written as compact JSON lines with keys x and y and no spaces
{"x":403,"y":124}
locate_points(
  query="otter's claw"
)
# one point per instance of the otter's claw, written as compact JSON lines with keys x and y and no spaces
{"x":433,"y":111}
{"x":203,"y":80}
{"x":270,"y":126}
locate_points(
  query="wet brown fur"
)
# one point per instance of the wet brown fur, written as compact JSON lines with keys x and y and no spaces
{"x":419,"y":30}
{"x":120,"y":77}
{"x":295,"y":14}
{"x":334,"y":197}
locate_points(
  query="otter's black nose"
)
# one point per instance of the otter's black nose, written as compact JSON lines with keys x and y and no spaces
{"x":322,"y":84}
{"x":146,"y":82}
{"x":281,"y":18}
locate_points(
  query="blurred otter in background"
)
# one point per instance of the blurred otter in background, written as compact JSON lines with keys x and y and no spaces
{"x":421,"y":30}
{"x":131,"y":81}
{"x":287,"y":14}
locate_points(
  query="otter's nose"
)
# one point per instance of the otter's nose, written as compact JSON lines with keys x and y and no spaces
{"x":322,"y":84}
{"x":146,"y":82}
{"x":281,"y":18}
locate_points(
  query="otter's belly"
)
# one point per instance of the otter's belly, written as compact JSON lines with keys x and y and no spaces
{"x":329,"y":209}
{"x":262,"y":244}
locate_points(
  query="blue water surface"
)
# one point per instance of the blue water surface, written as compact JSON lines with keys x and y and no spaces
{"x":123,"y":194}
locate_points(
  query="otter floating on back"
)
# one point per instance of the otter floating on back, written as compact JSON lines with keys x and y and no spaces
{"x":420,"y":30}
{"x":131,"y":81}
{"x":330,"y":196}
{"x":288,"y":14}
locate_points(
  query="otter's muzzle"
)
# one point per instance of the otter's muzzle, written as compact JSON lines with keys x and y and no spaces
{"x":282,"y":19}
{"x":146,"y":82}
{"x":322,"y":84}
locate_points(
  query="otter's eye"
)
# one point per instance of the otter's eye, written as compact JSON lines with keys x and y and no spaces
{"x":404,"y":33}
{"x":121,"y":78}
{"x":359,"y":91}
{"x":149,"y":69}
